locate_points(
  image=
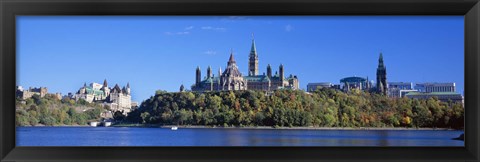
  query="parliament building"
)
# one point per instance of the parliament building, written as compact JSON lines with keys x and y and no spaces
{"x":232,"y":79}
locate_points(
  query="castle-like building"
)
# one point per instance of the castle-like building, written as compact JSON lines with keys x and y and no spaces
{"x":119,"y":99}
{"x":232,"y":78}
{"x":24,"y":94}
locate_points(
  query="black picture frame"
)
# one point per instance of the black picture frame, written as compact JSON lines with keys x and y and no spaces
{"x":11,"y":8}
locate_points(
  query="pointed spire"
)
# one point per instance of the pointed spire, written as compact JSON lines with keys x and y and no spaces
{"x":209,"y":72}
{"x":198,"y":75}
{"x":269,"y":71}
{"x":380,"y":60}
{"x":85,"y":84}
{"x":128,"y":84}
{"x":105,"y":84}
{"x":232,"y":59}
{"x":253,"y":50}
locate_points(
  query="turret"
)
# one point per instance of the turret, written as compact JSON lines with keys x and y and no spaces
{"x":219,"y":72}
{"x":128,"y":87}
{"x":198,"y":76}
{"x":209,"y":72}
{"x":269,"y":71}
{"x":182,"y":88}
{"x":280,"y":69}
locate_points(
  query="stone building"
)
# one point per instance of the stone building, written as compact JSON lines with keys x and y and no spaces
{"x":118,"y":99}
{"x":232,"y":79}
{"x":25,"y":94}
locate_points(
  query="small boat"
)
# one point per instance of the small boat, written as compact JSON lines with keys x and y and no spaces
{"x":107,"y":124}
{"x":93,"y":124}
{"x":174,"y":128}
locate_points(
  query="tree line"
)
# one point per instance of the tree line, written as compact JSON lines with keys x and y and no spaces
{"x":291,"y":108}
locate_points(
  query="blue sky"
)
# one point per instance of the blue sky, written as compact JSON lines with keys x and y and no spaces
{"x":160,"y":52}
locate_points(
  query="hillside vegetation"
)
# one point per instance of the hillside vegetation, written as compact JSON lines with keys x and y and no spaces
{"x":289,"y":108}
{"x":51,"y":111}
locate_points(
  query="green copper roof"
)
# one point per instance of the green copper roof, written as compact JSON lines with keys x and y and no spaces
{"x":257,"y":78}
{"x":353,"y":79}
{"x":211,"y":80}
{"x":89,"y":90}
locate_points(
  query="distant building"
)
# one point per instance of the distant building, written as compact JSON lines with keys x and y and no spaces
{"x":338,"y":86}
{"x":402,"y":93}
{"x":435,"y":87}
{"x":25,"y":94}
{"x":355,"y":82}
{"x":42,"y":92}
{"x":118,"y":99}
{"x":232,"y":79}
{"x":314,"y":86}
{"x":442,"y":96}
{"x":134,"y":105}
{"x":394,"y":88}
{"x":382,"y":86}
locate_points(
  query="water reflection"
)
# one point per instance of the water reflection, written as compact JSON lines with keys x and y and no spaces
{"x":130,"y":136}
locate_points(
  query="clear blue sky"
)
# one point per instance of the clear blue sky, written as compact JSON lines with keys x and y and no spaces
{"x":159,"y":52}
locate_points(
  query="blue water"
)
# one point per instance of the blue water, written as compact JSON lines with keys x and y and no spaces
{"x":133,"y":136}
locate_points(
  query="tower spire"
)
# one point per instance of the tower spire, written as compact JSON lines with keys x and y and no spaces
{"x":105,"y":83}
{"x":382,"y":85}
{"x":198,"y":75}
{"x":253,"y":50}
{"x":231,"y":60}
{"x":253,"y":60}
{"x":209,"y":72}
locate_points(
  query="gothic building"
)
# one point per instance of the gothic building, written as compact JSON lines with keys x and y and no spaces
{"x":118,"y":99}
{"x":382,"y":86}
{"x":232,"y":78}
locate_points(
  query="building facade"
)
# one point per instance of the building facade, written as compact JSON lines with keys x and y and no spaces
{"x":395,"y":89}
{"x":435,"y":87}
{"x":25,"y":94}
{"x":314,"y":86}
{"x":442,"y":96}
{"x":118,"y":99}
{"x":232,"y":79}
{"x":350,"y":83}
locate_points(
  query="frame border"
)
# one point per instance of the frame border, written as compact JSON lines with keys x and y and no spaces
{"x":9,"y":9}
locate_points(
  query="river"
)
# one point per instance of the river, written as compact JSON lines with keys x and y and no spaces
{"x":138,"y":136}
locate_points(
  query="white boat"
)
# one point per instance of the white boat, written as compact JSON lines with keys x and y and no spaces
{"x":107,"y":124}
{"x":93,"y":124}
{"x":174,"y":128}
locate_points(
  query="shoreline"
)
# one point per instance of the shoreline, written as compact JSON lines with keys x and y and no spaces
{"x":254,"y":127}
{"x":307,"y":128}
